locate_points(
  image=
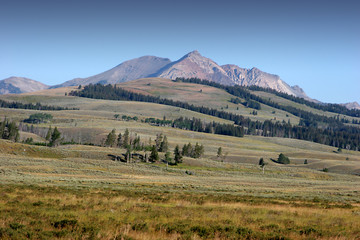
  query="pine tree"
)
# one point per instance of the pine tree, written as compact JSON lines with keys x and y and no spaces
{"x":158,"y":141}
{"x":119,"y":140}
{"x":154,"y":155}
{"x":164,"y":145}
{"x":48,"y":135}
{"x":55,"y":136}
{"x":198,"y":151}
{"x":111,"y":138}
{"x":126,"y":140}
{"x":167,"y":157}
{"x":177,"y":155}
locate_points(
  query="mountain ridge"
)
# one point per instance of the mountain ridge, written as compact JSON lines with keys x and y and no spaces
{"x":191,"y":65}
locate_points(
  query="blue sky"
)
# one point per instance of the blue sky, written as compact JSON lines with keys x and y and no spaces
{"x":313,"y":44}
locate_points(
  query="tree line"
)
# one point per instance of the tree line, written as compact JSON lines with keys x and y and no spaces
{"x":243,"y":91}
{"x":334,"y":134}
{"x":328,"y":107}
{"x":36,"y":106}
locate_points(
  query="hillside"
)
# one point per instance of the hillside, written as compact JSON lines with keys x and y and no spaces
{"x":202,"y":95}
{"x":20,"y":85}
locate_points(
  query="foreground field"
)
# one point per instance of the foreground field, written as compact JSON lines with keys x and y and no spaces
{"x":135,"y":212}
{"x":77,"y":192}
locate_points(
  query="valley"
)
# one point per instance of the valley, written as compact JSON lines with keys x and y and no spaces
{"x":80,"y":192}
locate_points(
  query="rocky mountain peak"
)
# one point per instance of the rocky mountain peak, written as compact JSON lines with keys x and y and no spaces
{"x":352,"y":105}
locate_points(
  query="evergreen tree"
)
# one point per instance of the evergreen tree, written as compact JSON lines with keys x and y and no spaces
{"x":158,"y":141}
{"x":48,"y":135}
{"x":167,"y":157}
{"x":55,"y":137}
{"x":111,"y":138}
{"x":13,"y":132}
{"x":187,"y":150}
{"x":198,"y":151}
{"x":164,"y":146}
{"x":119,"y":140}
{"x":154,"y":155}
{"x":177,"y":155}
{"x":126,"y":140}
{"x":136,"y":143}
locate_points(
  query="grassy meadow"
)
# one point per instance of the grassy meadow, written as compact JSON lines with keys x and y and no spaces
{"x":78,"y":192}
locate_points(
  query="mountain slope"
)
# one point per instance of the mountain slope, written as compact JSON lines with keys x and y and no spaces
{"x":193,"y":65}
{"x":254,"y":76}
{"x":20,"y":85}
{"x":352,"y":105}
{"x":126,"y":71}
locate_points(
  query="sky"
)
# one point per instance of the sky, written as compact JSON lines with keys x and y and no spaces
{"x":313,"y":44}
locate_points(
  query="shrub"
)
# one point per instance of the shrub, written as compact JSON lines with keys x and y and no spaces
{"x":65,"y":223}
{"x":244,"y":231}
{"x":283,"y":159}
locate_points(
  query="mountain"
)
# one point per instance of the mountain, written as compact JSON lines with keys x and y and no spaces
{"x":192,"y":65}
{"x":254,"y":76}
{"x":352,"y":105}
{"x":130,"y":70}
{"x":20,"y":85}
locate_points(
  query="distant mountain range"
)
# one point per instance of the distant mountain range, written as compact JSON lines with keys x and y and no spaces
{"x":192,"y":65}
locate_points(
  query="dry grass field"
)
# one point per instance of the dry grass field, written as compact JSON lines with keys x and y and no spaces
{"x":78,"y":192}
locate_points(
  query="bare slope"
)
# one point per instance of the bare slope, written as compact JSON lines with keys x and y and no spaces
{"x":126,"y":71}
{"x":20,"y":85}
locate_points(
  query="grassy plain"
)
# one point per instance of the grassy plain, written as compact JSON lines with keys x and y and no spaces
{"x":78,"y":192}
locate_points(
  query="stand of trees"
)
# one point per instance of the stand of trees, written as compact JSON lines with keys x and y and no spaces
{"x":195,"y":152}
{"x":133,"y":143}
{"x":39,"y":118}
{"x":9,"y":130}
{"x":197,"y":125}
